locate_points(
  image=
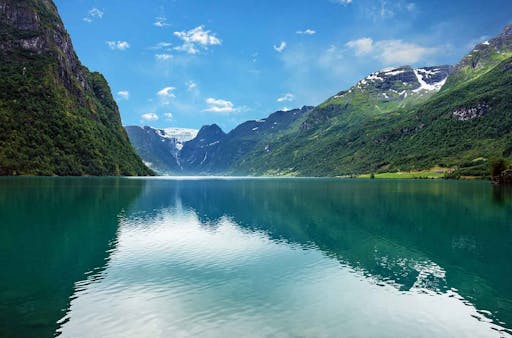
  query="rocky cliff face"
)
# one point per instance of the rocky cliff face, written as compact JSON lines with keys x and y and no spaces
{"x":56,"y":117}
{"x":36,"y":28}
{"x":481,"y":55}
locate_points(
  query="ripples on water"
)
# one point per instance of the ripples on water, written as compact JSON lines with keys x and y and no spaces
{"x":254,"y":259}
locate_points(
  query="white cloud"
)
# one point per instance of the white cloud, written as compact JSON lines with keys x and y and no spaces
{"x":396,"y":52}
{"x":118,"y":45}
{"x":285,"y":109}
{"x":196,"y":39}
{"x":163,"y":57}
{"x":308,"y":31}
{"x":399,"y":52}
{"x":93,"y":14}
{"x":150,"y":117}
{"x":220,"y":106}
{"x":123,"y":94}
{"x":361,"y":46}
{"x":191,"y":85}
{"x":166,"y":94}
{"x":168,"y":116}
{"x":281,"y":47}
{"x":344,"y":2}
{"x":288,"y":97}
{"x":160,"y":22}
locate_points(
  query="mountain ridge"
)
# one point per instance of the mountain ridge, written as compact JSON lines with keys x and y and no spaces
{"x":459,"y":127}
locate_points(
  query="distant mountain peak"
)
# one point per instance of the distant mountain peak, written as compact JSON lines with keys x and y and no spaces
{"x":397,"y":83}
{"x":210,"y":130}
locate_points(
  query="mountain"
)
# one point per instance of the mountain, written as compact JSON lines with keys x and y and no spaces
{"x":159,"y":148}
{"x":56,"y":117}
{"x":214,"y":152}
{"x":452,"y":119}
{"x":403,"y":119}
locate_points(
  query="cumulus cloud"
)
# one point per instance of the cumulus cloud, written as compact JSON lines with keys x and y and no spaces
{"x":391,"y":51}
{"x":150,"y":117}
{"x":93,"y":14}
{"x":288,"y":97}
{"x":196,"y":39}
{"x":118,"y":45}
{"x":219,"y":106}
{"x":123,"y":94}
{"x":308,"y":31}
{"x":168,"y":116}
{"x":281,"y":47}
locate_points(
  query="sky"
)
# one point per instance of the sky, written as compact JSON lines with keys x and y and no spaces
{"x":188,"y":63}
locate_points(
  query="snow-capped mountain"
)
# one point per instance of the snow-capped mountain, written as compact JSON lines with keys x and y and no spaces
{"x":180,"y":135}
{"x":159,"y":148}
{"x":402,"y":82}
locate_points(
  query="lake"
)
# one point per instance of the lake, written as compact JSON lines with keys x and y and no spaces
{"x":157,"y":257}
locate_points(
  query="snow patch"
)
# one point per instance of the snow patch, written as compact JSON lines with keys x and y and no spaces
{"x":396,"y":72}
{"x":424,"y":86}
{"x":179,"y":134}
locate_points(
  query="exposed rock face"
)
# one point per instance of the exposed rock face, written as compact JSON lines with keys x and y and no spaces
{"x":465,"y":114}
{"x":39,"y":37}
{"x":480,"y":56}
{"x":65,"y":121}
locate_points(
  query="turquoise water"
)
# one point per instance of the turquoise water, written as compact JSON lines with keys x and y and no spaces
{"x":106,"y":257}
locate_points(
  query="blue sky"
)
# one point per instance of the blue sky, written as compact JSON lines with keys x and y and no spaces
{"x":186,"y":63}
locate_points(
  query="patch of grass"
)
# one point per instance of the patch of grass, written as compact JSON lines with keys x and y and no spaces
{"x":421,"y":174}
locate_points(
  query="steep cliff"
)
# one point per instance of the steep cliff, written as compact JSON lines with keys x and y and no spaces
{"x":56,"y":117}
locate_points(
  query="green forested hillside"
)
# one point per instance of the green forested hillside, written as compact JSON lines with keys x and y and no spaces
{"x":461,"y":127}
{"x":56,"y":117}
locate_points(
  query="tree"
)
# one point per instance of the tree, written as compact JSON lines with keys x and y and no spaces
{"x":497,"y":167}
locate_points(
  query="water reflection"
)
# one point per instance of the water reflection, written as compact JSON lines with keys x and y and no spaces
{"x":278,"y":257}
{"x":53,"y":231}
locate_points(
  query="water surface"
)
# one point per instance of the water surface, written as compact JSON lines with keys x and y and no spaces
{"x":106,"y":257}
